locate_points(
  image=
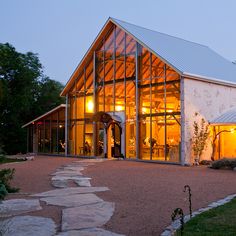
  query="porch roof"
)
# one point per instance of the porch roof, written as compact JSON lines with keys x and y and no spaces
{"x":62,"y":106}
{"x":227,"y":118}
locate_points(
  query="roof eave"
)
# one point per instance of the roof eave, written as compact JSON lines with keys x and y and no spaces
{"x":65,"y":90}
{"x":209,"y":79}
{"x":223,"y":124}
{"x":45,"y":114}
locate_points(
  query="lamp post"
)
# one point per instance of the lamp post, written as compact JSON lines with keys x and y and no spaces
{"x":216,"y":136}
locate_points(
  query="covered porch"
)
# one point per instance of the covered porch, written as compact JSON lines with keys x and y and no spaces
{"x":224,"y":135}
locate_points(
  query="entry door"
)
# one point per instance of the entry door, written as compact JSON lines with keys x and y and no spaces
{"x":115,"y":140}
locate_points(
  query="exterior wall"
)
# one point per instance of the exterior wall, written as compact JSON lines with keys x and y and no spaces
{"x":203,"y":100}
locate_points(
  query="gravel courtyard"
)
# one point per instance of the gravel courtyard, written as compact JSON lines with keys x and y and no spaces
{"x":145,"y":194}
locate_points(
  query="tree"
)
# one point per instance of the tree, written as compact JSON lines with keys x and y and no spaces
{"x":199,"y":139}
{"x":23,"y":95}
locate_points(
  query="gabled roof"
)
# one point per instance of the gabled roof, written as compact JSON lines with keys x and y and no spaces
{"x":187,"y":58}
{"x":227,"y":118}
{"x":62,"y":106}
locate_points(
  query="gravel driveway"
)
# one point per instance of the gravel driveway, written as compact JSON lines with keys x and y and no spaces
{"x":145,"y":194}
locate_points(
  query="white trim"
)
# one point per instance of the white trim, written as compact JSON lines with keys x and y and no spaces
{"x":209,"y":79}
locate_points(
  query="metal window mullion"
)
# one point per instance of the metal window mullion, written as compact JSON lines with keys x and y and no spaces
{"x":137,"y":99}
{"x":50,"y":134}
{"x":95,"y":106}
{"x":66,"y":126}
{"x":75,"y":131}
{"x":44,"y":135}
{"x":85,"y":98}
{"x":165,"y":135}
{"x":125,"y":95}
{"x":103,"y":81}
{"x":114,"y":72}
{"x":57,"y":146}
{"x":150,"y":55}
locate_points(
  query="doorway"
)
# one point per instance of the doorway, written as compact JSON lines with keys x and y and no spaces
{"x":114,"y":140}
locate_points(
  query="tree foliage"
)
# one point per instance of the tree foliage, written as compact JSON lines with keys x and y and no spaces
{"x":25,"y":93}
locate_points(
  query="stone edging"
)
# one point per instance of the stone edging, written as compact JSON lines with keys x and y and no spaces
{"x":175,"y":225}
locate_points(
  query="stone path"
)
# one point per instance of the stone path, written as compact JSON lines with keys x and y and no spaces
{"x":83,"y":214}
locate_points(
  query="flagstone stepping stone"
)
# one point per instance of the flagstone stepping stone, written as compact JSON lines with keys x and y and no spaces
{"x":89,"y":232}
{"x":67,"y":173}
{"x":89,"y":216}
{"x":79,"y":180}
{"x":83,"y":182}
{"x":59,"y":183}
{"x":28,"y":226}
{"x":72,"y":200}
{"x":64,"y":178}
{"x":18,"y":206}
{"x":70,"y":191}
{"x":74,"y":168}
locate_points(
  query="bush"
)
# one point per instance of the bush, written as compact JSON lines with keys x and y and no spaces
{"x":3,"y":192}
{"x":6,"y":175}
{"x":224,"y":163}
{"x":205,"y":162}
{"x":2,"y":155}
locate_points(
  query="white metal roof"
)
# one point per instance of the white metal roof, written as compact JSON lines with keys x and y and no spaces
{"x":227,"y":118}
{"x":45,"y":114}
{"x":186,"y":57}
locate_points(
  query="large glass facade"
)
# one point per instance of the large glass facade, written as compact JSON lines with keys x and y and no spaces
{"x":124,"y":79}
{"x":47,"y":135}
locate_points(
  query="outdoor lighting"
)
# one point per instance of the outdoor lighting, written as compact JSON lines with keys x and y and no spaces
{"x":89,"y":106}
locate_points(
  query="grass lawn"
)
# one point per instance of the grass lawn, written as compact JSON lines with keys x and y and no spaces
{"x":215,"y":222}
{"x":8,"y":160}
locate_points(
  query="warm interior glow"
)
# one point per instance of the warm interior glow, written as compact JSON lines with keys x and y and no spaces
{"x":119,"y":108}
{"x":232,"y":130}
{"x":90,"y":106}
{"x":144,"y":110}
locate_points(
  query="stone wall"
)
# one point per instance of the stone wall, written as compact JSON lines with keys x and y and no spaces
{"x":204,"y":100}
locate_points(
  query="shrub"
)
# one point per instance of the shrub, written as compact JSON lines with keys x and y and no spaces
{"x":3,"y":191}
{"x":2,"y":155}
{"x":6,"y":175}
{"x":224,"y":164}
{"x":205,"y":162}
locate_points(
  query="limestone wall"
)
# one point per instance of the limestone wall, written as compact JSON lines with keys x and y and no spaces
{"x":207,"y":100}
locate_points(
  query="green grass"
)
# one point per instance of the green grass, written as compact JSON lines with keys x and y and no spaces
{"x":9,"y":160}
{"x":219,"y":221}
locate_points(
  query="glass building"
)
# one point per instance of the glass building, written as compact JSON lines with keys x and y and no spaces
{"x":136,"y":94}
{"x":140,"y":92}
